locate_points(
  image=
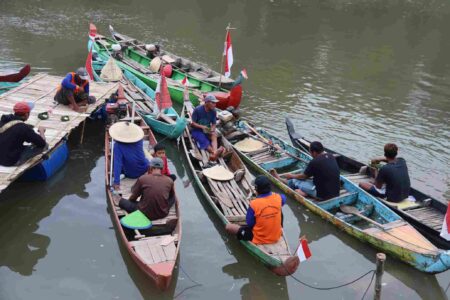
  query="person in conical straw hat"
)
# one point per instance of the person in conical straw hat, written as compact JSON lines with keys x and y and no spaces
{"x":129,"y":157}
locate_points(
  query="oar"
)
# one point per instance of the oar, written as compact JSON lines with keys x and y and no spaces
{"x":267,"y":142}
{"x":354,"y":211}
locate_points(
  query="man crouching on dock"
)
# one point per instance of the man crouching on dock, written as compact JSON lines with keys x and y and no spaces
{"x":74,"y":90}
{"x":14,"y":132}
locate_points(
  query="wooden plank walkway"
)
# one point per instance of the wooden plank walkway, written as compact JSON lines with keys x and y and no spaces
{"x":40,"y":90}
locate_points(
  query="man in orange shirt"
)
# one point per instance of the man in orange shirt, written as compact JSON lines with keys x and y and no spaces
{"x":264,"y":216}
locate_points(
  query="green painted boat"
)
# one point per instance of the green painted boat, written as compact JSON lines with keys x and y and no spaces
{"x":10,"y":81}
{"x":144,"y":97}
{"x":197,"y":73}
{"x":138,"y":64}
{"x":391,"y":234}
{"x":230,"y":200}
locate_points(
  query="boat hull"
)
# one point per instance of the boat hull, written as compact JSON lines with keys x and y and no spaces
{"x":350,"y":165}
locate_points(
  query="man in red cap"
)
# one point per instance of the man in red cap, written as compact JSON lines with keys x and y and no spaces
{"x":14,"y":132}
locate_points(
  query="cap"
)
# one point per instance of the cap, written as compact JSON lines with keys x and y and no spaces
{"x":21,"y":108}
{"x":83,"y":73}
{"x":157,"y":163}
{"x":262,"y":184}
{"x":211,"y":98}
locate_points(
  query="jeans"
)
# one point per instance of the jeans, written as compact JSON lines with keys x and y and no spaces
{"x":307,"y":186}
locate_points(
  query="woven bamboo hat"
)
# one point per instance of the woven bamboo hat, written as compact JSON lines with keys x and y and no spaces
{"x":126,"y":132}
{"x":249,"y":145}
{"x":155,"y":64}
{"x":218,"y":173}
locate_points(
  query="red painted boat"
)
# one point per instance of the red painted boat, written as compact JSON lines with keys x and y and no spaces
{"x":16,"y":77}
{"x":155,"y":255}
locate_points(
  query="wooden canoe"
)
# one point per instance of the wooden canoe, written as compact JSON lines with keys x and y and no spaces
{"x":16,"y":77}
{"x":169,"y":123}
{"x":138,"y":65}
{"x":394,"y":236}
{"x":426,"y":214}
{"x":156,"y":256}
{"x":182,"y":67}
{"x":230,"y":200}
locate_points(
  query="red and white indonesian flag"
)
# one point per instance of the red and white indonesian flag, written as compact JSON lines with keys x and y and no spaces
{"x":185,"y":81}
{"x":88,"y":64}
{"x":228,"y":53}
{"x":162,"y":96}
{"x":445,"y":231}
{"x":303,"y":251}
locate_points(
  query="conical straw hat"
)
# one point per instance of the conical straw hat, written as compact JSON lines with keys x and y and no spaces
{"x":249,"y":145}
{"x":218,"y":173}
{"x":155,"y":64}
{"x":111,"y":71}
{"x":126,"y":132}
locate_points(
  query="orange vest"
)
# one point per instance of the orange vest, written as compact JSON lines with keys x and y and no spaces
{"x":77,"y":89}
{"x":267,"y":229}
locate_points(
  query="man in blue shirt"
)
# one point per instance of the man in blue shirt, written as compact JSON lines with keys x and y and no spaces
{"x":74,"y":90}
{"x":203,"y":124}
{"x":129,"y":157}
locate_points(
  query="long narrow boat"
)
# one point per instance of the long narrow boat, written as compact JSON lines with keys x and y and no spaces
{"x":10,"y":81}
{"x":156,"y":256}
{"x":182,"y":67}
{"x":392,"y":235}
{"x":139,"y":65}
{"x":230,"y":200}
{"x":172,"y":125}
{"x":426,"y":214}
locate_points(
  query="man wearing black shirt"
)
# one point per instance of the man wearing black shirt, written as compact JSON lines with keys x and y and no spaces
{"x":14,"y":132}
{"x":324,"y":170}
{"x":394,"y":175}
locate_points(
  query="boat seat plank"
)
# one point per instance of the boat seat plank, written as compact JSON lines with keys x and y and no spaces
{"x":279,"y":248}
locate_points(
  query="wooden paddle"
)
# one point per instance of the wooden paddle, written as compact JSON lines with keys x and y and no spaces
{"x":267,"y":142}
{"x":354,"y":211}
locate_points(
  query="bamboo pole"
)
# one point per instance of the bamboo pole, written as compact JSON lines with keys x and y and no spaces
{"x":381,"y":258}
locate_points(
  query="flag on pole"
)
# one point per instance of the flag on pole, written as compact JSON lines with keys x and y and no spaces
{"x":228,"y":53}
{"x":185,"y":81}
{"x":88,"y":64}
{"x":303,"y":251}
{"x":244,"y":73}
{"x":162,"y":95}
{"x":445,"y":231}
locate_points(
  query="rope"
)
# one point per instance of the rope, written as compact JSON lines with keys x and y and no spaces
{"x":334,"y":287}
{"x":370,"y":283}
{"x":189,"y":287}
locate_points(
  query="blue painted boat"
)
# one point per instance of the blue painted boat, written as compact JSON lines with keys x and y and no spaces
{"x":146,"y":102}
{"x":392,"y":235}
{"x":52,"y":162}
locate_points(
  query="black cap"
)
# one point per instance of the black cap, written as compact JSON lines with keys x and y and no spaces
{"x":262,"y":184}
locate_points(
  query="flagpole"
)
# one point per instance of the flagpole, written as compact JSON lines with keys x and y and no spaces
{"x":223,"y":55}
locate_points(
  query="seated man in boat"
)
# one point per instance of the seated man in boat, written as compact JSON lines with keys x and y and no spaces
{"x":156,"y":193}
{"x":264,"y":216}
{"x":74,"y":90}
{"x":394,"y":175}
{"x":14,"y":132}
{"x":203,"y":124}
{"x":128,"y":152}
{"x":160,"y":151}
{"x":324,"y":170}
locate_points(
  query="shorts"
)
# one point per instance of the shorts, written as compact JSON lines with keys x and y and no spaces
{"x":244,"y":233}
{"x":201,"y":139}
{"x":377,"y":192}
{"x":62,"y":97}
{"x":307,"y":186}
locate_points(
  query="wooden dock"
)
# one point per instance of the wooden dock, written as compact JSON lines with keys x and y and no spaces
{"x":40,"y":90}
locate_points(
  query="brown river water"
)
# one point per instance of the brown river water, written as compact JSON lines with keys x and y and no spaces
{"x":353,"y":74}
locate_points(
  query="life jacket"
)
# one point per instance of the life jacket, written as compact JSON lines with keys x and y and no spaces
{"x":267,"y":229}
{"x":78,"y":88}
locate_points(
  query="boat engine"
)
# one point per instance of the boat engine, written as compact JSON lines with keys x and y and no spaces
{"x":227,"y":118}
{"x":116,"y":109}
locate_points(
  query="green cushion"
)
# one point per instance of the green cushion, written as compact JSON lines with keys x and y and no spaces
{"x":136,"y":220}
